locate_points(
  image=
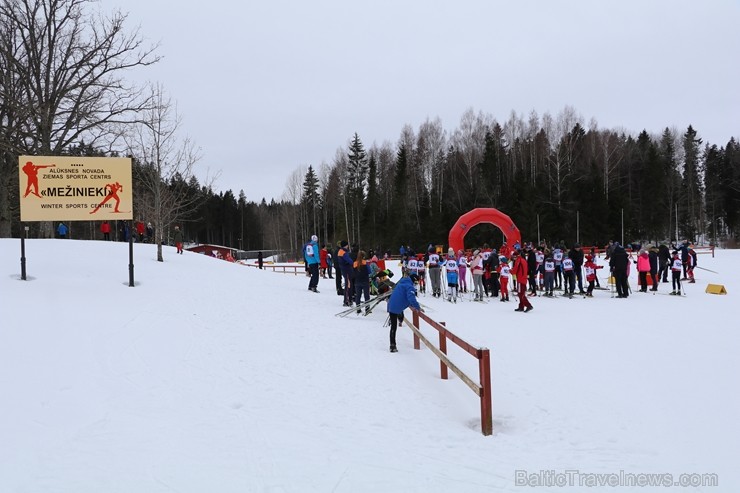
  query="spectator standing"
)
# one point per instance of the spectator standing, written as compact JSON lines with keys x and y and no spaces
{"x":664,"y":262}
{"x":345,"y":262}
{"x":643,"y":269}
{"x":62,"y":230}
{"x":140,"y":230}
{"x":322,"y":261}
{"x":684,"y":250}
{"x":576,"y":255}
{"x":653,"y":258}
{"x":312,"y":261}
{"x":519,"y":270}
{"x":105,"y":229}
{"x":618,"y":267}
{"x":177,"y":237}
{"x":329,"y":262}
{"x":362,"y":280}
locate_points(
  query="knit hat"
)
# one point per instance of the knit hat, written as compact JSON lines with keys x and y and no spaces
{"x":343,"y":243}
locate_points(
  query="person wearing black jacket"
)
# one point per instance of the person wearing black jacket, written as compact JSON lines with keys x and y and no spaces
{"x":576,"y":255}
{"x":664,"y":259}
{"x":653,"y":255}
{"x":532,"y":270}
{"x":618,"y":267}
{"x":338,"y":269}
{"x":491,"y":265}
{"x":684,"y":250}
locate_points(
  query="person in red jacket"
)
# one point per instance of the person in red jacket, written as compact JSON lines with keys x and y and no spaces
{"x":140,"y":230}
{"x":520,"y":271}
{"x":322,"y":261}
{"x":643,"y":269}
{"x":590,"y":268}
{"x":105,"y":229}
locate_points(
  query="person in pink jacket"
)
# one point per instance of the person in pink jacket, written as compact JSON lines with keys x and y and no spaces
{"x":643,"y":269}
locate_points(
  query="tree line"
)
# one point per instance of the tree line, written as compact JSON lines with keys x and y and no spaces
{"x":558,"y":179}
{"x":63,"y":92}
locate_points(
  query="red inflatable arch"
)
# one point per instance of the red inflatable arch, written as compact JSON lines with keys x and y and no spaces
{"x":483,"y":215}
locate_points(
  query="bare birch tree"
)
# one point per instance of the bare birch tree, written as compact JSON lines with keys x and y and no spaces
{"x":166,"y":164}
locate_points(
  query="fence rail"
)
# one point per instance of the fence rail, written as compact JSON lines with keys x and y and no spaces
{"x":482,"y":389}
{"x":282,"y":269}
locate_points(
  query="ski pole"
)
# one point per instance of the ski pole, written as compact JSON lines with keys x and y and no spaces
{"x":702,"y":268}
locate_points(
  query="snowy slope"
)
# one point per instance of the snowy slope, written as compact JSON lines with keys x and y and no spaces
{"x":210,"y":376}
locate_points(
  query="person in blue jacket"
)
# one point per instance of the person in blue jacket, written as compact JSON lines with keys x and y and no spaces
{"x":402,"y":297}
{"x":62,"y":230}
{"x":312,"y":259}
{"x":345,"y":263}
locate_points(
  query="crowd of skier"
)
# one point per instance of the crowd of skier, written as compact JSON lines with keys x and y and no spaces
{"x":526,"y":270}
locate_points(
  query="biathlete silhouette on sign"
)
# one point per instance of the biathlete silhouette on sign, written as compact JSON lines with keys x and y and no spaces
{"x":32,"y":172}
{"x":113,"y":189}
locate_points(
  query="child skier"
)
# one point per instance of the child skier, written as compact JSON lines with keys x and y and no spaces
{"x":691,"y":263}
{"x":452,"y":271}
{"x":549,"y":274}
{"x":421,"y":271}
{"x":504,"y":272}
{"x":569,"y":276}
{"x":412,"y":265}
{"x":462,"y":267}
{"x":434,"y":272}
{"x":676,"y":269}
{"x":557,"y":256}
{"x":540,"y":273}
{"x":591,"y":267}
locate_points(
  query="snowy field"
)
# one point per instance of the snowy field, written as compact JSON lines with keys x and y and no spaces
{"x":215,"y":377}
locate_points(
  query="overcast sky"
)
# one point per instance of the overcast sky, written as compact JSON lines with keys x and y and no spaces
{"x":265,"y":87}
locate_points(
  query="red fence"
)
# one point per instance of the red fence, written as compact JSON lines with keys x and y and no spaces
{"x":482,"y":389}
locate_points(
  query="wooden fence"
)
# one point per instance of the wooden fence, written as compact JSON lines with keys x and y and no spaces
{"x":483,"y":388}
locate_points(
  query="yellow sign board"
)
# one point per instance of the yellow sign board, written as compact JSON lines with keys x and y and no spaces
{"x":716,"y":289}
{"x":69,"y":188}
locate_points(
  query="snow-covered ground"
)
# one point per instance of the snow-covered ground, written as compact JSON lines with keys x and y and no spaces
{"x":215,"y":377}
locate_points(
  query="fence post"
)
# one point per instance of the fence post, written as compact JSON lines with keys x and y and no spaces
{"x":443,"y":348}
{"x":486,"y":412}
{"x":415,"y":318}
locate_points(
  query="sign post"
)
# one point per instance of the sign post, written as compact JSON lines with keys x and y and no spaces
{"x":131,"y":255}
{"x":23,"y":253}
